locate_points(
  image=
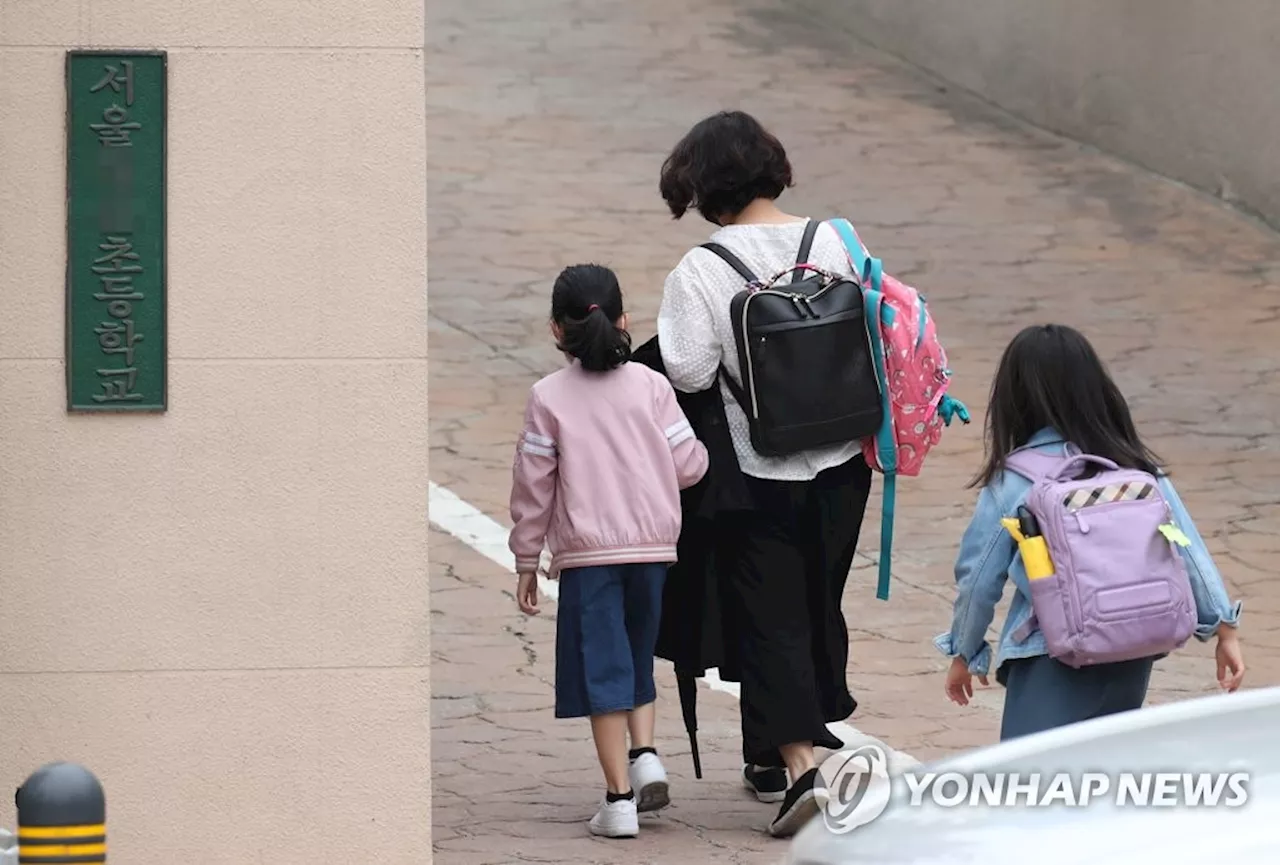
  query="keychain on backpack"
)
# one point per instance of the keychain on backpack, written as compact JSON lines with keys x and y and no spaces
{"x":1031,"y":544}
{"x":1174,"y":535}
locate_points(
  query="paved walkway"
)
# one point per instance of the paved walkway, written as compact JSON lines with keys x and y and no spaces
{"x":548,"y":120}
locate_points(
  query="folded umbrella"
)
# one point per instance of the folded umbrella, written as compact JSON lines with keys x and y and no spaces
{"x":688,"y":686}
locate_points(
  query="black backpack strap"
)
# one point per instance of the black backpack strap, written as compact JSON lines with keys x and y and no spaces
{"x":732,"y":260}
{"x":739,"y":395}
{"x":806,"y":246}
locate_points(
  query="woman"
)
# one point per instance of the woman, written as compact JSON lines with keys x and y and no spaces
{"x":789,"y":555}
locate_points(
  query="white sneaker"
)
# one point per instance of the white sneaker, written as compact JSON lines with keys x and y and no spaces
{"x":649,"y":780}
{"x":616,"y":820}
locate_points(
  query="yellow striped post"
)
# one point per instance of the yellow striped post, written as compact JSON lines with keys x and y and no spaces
{"x":62,"y":817}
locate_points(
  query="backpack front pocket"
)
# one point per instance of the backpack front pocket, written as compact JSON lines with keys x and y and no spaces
{"x":797,"y":393}
{"x":1129,"y":581}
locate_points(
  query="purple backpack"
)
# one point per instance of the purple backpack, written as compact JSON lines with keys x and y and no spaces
{"x":1119,"y":590}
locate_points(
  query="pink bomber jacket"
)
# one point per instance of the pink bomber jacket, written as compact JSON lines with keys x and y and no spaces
{"x":599,"y":468}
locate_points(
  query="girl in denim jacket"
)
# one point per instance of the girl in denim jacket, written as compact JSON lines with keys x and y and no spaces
{"x":1052,"y":389}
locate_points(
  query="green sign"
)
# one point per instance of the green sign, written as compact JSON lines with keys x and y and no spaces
{"x":117,"y":352}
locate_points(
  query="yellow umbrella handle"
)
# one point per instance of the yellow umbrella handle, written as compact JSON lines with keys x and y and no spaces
{"x":1035,"y":552}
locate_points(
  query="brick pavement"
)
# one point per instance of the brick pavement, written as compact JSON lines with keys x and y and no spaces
{"x":547,"y":122}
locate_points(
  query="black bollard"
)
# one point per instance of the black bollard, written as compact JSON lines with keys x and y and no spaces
{"x":62,"y":816}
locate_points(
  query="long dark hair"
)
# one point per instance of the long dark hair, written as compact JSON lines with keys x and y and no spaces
{"x":586,"y":304}
{"x":1050,"y":376}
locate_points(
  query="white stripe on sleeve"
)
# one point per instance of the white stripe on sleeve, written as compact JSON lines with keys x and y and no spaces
{"x":679,"y":432}
{"x":543,"y":441}
{"x":527,"y":446}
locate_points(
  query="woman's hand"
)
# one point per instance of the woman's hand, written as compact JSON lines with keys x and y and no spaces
{"x":1230,"y":659}
{"x":527,"y":593}
{"x":959,"y":686}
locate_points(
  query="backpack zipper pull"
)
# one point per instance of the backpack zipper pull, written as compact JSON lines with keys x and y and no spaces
{"x":1084,"y":527}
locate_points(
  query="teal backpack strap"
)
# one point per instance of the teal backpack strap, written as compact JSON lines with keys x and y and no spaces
{"x":868,"y":268}
{"x":886,"y":533}
{"x":851,"y":243}
{"x":886,"y":446}
{"x":871,"y":271}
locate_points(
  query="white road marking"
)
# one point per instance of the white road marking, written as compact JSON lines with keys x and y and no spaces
{"x":488,"y":537}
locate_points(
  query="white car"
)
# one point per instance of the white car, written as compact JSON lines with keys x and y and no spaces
{"x":1230,"y":733}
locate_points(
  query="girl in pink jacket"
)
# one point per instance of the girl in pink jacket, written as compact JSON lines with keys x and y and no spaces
{"x":599,"y":467}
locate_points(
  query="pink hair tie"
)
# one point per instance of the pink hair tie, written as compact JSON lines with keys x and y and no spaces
{"x":592,"y":308}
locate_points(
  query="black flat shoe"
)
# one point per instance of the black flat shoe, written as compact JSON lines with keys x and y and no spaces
{"x":768,"y":783}
{"x":804,"y":801}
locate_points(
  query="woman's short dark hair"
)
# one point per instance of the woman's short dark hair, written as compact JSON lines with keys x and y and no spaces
{"x":1050,"y":377}
{"x":586,"y":304}
{"x":723,"y":164}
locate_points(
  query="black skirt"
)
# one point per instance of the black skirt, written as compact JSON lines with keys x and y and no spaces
{"x":782,"y":569}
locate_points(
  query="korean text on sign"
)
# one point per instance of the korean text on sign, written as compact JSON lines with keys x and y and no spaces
{"x":119,"y":263}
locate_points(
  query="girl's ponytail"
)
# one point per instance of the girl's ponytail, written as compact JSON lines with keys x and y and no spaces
{"x":593,"y":335}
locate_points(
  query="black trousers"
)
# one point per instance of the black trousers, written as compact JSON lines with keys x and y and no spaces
{"x":783,"y":568}
{"x":1041,"y":693}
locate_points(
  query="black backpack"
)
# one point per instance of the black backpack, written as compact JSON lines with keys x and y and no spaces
{"x":808,"y":375}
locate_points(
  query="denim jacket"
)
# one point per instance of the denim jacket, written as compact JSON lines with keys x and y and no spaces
{"x":988,"y":556}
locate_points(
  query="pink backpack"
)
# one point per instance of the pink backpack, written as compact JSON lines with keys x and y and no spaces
{"x":914,"y":378}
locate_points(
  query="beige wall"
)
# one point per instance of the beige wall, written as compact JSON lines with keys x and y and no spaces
{"x":1187,"y":88}
{"x":223,"y":610}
